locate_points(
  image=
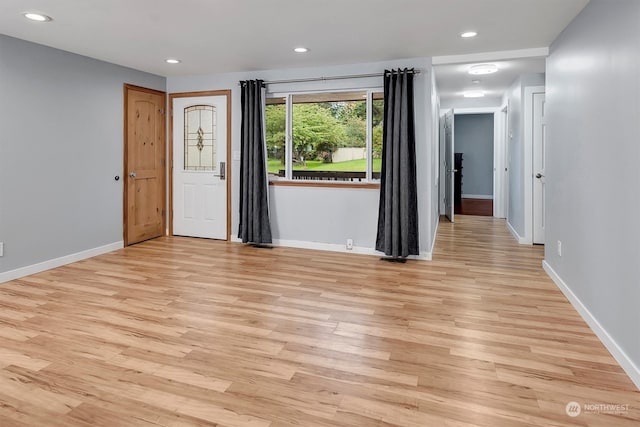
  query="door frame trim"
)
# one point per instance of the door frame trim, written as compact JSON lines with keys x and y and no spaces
{"x":172,"y":96}
{"x":125,"y":177}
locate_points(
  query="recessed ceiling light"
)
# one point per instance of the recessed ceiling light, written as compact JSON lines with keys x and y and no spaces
{"x":475,"y":81}
{"x":173,"y":61}
{"x":468,"y":34}
{"x":480,"y":69}
{"x":301,"y":49}
{"x":38,"y":17}
{"x":473,"y":94}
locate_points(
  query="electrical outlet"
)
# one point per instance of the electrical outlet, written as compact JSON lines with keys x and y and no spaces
{"x":1,"y":248}
{"x":349,"y":244}
{"x":559,"y":248}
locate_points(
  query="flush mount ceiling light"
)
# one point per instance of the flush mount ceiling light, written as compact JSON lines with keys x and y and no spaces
{"x":473,"y":94}
{"x":301,"y":49}
{"x":172,"y":61}
{"x":468,"y":34}
{"x":480,"y":69}
{"x":475,"y":81}
{"x":38,"y":17}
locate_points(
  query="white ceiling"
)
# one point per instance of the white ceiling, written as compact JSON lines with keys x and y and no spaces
{"x":212,"y":36}
{"x":454,"y":79}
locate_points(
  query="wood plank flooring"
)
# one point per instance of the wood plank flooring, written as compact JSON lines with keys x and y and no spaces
{"x":479,"y":207}
{"x":192,"y":332}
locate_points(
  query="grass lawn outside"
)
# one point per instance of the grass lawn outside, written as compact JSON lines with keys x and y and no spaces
{"x":274,"y":166}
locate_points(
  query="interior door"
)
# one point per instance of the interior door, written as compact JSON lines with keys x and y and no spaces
{"x":199,"y":166}
{"x":144,"y":198}
{"x":449,"y":164}
{"x":539,"y":148}
{"x":505,"y":163}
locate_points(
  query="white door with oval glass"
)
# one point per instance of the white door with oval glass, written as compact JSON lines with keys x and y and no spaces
{"x":199,"y":166}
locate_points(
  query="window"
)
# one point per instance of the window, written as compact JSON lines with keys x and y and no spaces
{"x":328,"y":136}
{"x":200,"y":138}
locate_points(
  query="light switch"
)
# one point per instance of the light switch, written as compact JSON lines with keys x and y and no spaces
{"x":236,"y":155}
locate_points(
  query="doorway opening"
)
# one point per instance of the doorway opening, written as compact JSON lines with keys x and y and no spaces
{"x":473,"y":157}
{"x":474,"y":149}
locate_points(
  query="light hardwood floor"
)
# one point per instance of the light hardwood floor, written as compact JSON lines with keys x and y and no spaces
{"x":181,"y":332}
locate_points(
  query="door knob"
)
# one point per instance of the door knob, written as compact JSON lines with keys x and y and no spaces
{"x":132,"y":174}
{"x":539,"y":175}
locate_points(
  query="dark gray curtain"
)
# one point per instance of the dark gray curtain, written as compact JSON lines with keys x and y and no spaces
{"x":398,"y":209}
{"x":254,"y":206}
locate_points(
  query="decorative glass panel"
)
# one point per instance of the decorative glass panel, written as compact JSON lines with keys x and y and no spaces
{"x":200,"y":132}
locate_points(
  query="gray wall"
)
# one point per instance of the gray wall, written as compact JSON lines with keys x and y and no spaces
{"x":321,"y":215}
{"x":515,"y":100}
{"x":61,"y":144}
{"x":447,"y":103}
{"x":474,"y":138}
{"x":593,"y":133}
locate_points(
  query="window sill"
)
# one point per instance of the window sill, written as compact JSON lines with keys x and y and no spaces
{"x":325,"y":184}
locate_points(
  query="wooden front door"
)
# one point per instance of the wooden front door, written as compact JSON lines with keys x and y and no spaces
{"x":144,"y":164}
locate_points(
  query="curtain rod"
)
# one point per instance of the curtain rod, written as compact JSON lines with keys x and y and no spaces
{"x":317,"y":79}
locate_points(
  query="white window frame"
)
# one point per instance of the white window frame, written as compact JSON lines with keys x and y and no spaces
{"x":288,"y":96}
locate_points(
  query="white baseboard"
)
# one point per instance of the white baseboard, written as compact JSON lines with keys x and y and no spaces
{"x":325,"y":247}
{"x":57,"y":262}
{"x":424,"y":256}
{"x":621,"y":357}
{"x":513,"y":231}
{"x":435,"y":237}
{"x":478,"y":196}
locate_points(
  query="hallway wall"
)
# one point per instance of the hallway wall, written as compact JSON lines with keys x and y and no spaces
{"x":593,"y":133}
